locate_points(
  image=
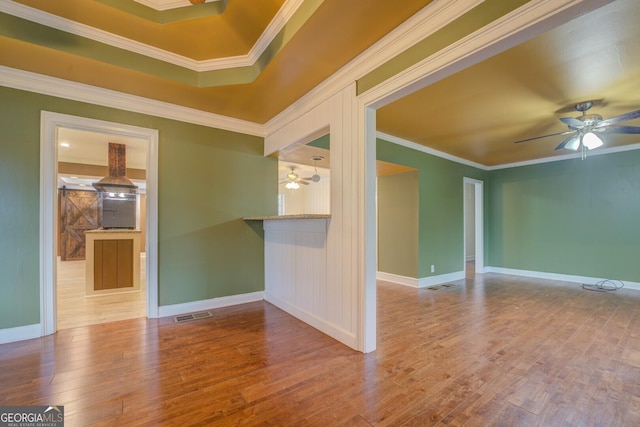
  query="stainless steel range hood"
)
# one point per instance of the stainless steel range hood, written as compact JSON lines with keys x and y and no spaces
{"x":117,"y":181}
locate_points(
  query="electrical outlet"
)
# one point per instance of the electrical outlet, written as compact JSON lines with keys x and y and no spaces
{"x":433,"y":268}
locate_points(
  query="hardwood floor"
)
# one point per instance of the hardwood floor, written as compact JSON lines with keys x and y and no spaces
{"x":75,"y":309}
{"x":493,"y":350}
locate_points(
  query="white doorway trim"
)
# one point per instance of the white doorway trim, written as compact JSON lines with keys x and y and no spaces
{"x":478,"y":188}
{"x":49,"y":125}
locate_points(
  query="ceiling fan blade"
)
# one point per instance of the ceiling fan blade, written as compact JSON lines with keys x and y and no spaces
{"x":619,"y":129}
{"x":572,"y":122}
{"x":621,"y":118}
{"x":300,"y":181}
{"x":545,"y":136}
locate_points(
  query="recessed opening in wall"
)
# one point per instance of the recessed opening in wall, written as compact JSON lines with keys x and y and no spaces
{"x":304,"y":178}
{"x":398,"y":221}
{"x":87,"y":215}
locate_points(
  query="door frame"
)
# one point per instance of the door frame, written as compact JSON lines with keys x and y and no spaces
{"x":478,"y":187}
{"x":50,"y":122}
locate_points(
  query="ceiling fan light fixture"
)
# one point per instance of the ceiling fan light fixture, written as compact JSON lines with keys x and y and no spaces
{"x":591,"y":140}
{"x":573,"y":144}
{"x":292,"y":185}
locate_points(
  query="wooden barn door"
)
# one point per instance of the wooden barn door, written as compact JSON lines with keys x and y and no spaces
{"x":79,"y":212}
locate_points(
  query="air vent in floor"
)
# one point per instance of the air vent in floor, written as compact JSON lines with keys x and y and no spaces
{"x":192,"y":316}
{"x":436,"y":287}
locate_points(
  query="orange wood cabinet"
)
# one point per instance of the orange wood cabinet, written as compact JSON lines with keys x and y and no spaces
{"x":112,"y":264}
{"x":113,"y":261}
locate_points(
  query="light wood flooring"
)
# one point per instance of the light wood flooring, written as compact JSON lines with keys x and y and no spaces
{"x":488,"y":351}
{"x":75,"y":309}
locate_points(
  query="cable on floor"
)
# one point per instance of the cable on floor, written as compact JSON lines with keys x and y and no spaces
{"x":607,"y":285}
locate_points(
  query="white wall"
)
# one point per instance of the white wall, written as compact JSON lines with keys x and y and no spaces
{"x":314,"y":198}
{"x":470,"y":221}
{"x":338,"y":307}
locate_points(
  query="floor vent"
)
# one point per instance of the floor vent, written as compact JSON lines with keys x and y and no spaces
{"x":192,"y":316}
{"x":436,"y":287}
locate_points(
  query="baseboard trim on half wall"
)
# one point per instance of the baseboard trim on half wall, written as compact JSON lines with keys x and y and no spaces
{"x":397,"y":279}
{"x":20,"y":333}
{"x":559,"y":277}
{"x":440,"y":279}
{"x":209,"y":304}
{"x":323,"y":325}
{"x":422,"y":282}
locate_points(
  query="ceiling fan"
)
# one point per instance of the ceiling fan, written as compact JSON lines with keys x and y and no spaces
{"x":583,"y":131}
{"x":293,"y":180}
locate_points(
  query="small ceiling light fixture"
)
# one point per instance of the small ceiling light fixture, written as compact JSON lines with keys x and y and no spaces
{"x":293,"y":180}
{"x":588,"y":141}
{"x":292,"y":185}
{"x":315,"y":177}
{"x":591,"y":141}
{"x":65,"y":144}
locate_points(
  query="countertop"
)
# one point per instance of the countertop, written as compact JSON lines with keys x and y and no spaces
{"x":113,"y":230}
{"x":281,"y":217}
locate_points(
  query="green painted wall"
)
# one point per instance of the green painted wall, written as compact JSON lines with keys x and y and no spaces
{"x":441,"y":206}
{"x":398,"y":224}
{"x":578,"y":217}
{"x":208,"y":180}
{"x":19,"y":210}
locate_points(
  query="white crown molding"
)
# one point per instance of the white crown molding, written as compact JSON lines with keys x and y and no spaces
{"x":422,"y":148}
{"x":275,"y":26}
{"x":425,"y":22}
{"x":535,"y":17}
{"x":598,"y":152}
{"x":82,"y":30}
{"x":419,"y":147}
{"x":527,"y":21}
{"x":32,"y":82}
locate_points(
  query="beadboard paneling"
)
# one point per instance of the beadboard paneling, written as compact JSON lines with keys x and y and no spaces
{"x":336,"y":306}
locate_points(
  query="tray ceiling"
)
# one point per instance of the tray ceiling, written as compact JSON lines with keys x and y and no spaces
{"x":250,"y":59}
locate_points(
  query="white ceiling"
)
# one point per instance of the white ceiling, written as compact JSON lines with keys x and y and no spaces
{"x":92,"y":148}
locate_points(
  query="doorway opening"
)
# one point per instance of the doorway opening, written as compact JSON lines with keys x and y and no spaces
{"x":83,"y":159}
{"x":473,"y":227}
{"x":53,"y":129}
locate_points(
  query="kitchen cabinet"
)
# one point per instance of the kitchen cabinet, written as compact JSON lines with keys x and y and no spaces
{"x":113,"y":264}
{"x":113,"y":261}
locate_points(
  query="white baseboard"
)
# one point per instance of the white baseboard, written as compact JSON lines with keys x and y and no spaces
{"x":422,"y":282}
{"x":346,"y":337}
{"x":556,"y":276}
{"x":395,"y":278}
{"x":209,"y":304}
{"x":440,"y":279}
{"x":20,"y":333}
